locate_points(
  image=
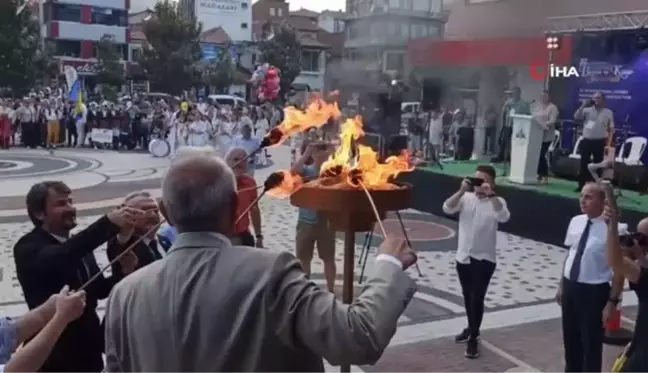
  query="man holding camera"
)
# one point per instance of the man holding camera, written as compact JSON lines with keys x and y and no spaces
{"x":480,"y":212}
{"x":586,"y":298}
{"x":598,"y":129}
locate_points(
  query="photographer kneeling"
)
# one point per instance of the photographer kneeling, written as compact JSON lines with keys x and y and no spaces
{"x":627,"y":256}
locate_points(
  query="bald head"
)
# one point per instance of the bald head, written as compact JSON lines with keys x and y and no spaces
{"x":642,"y":227}
{"x":234,"y":159}
{"x":198,"y":192}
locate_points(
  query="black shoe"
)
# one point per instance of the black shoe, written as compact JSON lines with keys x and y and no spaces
{"x":463,"y":336}
{"x":472,"y":348}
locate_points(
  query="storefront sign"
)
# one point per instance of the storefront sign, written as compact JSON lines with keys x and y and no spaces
{"x":83,"y":67}
{"x":218,"y":6}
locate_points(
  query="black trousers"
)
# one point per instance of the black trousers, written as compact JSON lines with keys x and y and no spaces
{"x":474,"y":278}
{"x":591,"y":151}
{"x":543,"y":164}
{"x":504,"y":154}
{"x":582,"y":325}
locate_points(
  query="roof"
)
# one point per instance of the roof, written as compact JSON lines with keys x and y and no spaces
{"x":299,"y":22}
{"x":304,"y":13}
{"x":215,"y":35}
{"x":139,"y":17}
{"x":336,"y":14}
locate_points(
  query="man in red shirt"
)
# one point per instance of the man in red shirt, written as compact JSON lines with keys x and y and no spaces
{"x":247,"y":194}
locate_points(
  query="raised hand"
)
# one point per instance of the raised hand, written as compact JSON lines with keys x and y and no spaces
{"x":398,"y":248}
{"x":70,"y":306}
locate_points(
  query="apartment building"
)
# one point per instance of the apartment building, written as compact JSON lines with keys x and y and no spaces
{"x":233,"y":16}
{"x":74,"y":27}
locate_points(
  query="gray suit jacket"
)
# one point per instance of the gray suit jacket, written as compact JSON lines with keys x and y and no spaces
{"x":210,"y":306}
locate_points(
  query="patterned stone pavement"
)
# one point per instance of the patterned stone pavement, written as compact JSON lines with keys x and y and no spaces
{"x":526,"y":276}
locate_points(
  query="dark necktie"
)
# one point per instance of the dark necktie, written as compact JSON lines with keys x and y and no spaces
{"x":154,"y":250}
{"x":574,"y":272}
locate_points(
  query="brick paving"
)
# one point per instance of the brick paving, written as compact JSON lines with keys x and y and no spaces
{"x":439,"y":355}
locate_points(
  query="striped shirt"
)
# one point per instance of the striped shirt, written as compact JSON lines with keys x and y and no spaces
{"x":478,"y":223}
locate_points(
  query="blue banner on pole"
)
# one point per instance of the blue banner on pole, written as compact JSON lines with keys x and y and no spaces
{"x":621,"y":77}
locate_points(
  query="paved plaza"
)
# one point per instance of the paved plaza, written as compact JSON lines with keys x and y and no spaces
{"x":521,"y":328}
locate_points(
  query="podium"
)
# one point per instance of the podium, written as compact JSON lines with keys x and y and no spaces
{"x":526,"y":141}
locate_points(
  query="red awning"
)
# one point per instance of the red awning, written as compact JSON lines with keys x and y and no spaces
{"x":487,"y":52}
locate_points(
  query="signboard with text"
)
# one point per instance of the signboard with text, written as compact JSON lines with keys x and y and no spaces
{"x":218,"y":6}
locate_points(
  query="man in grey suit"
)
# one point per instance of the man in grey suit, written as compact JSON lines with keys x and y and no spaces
{"x":212,"y":306}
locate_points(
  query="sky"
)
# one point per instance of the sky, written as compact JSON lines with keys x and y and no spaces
{"x":316,"y":5}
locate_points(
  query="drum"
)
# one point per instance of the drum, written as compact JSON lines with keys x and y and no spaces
{"x":159,"y":148}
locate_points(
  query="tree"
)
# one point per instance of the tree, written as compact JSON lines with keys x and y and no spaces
{"x":219,"y":73}
{"x":24,"y":62}
{"x":171,"y":59}
{"x":283,"y":51}
{"x":110,"y":71}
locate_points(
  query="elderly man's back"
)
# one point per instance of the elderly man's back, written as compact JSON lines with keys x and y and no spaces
{"x":210,"y":306}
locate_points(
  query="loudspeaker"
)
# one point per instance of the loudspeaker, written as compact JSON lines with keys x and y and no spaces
{"x":431,"y":93}
{"x":396,"y":145}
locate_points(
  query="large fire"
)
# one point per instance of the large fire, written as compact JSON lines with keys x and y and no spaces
{"x":352,"y":165}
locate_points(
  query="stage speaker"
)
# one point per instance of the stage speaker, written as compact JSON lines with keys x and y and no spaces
{"x":431,"y":93}
{"x":396,"y":145}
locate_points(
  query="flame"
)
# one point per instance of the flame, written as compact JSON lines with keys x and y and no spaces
{"x":356,"y":162}
{"x":317,"y":114}
{"x":288,"y":186}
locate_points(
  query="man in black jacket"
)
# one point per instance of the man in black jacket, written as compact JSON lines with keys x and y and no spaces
{"x":151,"y":248}
{"x":48,"y":258}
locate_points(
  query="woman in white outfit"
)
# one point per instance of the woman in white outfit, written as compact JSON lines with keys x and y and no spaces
{"x":198,"y":131}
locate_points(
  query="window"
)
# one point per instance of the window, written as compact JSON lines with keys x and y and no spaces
{"x":136,"y":53}
{"x":66,"y":12}
{"x":272,"y":12}
{"x":244,"y":5}
{"x":67,"y":48}
{"x":338,"y":26}
{"x":394,"y":61}
{"x":310,"y":60}
{"x":436,"y":5}
{"x":422,"y":5}
{"x":109,"y":17}
{"x":244,"y":26}
{"x":280,"y":12}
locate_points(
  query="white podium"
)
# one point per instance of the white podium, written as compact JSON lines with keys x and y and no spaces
{"x":526,"y":141}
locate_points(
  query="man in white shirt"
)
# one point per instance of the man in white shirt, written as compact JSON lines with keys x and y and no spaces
{"x":480,"y":212}
{"x":249,"y":144}
{"x":584,"y":293}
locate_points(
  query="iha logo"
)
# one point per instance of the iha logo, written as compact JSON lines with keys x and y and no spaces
{"x":539,"y":72}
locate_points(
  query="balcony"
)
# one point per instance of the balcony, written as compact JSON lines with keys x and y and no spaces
{"x":80,"y":31}
{"x":441,"y":16}
{"x":113,"y":4}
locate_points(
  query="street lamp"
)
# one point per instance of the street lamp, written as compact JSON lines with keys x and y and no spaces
{"x":553,"y":43}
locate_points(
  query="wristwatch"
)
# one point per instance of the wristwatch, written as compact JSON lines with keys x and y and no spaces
{"x":614,"y":301}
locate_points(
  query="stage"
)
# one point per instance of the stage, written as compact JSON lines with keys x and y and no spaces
{"x":539,"y":212}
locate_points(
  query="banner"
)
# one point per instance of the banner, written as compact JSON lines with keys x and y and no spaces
{"x":621,"y":78}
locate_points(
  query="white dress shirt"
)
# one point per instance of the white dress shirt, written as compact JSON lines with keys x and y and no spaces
{"x":478,"y":223}
{"x":594,"y":268}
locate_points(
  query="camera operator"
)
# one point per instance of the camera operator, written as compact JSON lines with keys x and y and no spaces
{"x":630,"y":262}
{"x":480,"y":212}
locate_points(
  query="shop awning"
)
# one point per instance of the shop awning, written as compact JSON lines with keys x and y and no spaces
{"x":486,"y":52}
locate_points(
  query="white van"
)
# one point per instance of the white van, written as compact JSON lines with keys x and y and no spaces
{"x":408,"y":109}
{"x":229,"y":100}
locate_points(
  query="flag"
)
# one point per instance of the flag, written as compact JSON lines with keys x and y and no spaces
{"x":76,"y":95}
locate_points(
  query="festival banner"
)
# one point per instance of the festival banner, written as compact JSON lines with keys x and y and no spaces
{"x":623,"y":83}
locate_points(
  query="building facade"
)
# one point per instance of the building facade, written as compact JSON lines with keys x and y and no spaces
{"x":315,"y":52}
{"x":74,"y":27}
{"x":233,"y":16}
{"x":377,"y":32}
